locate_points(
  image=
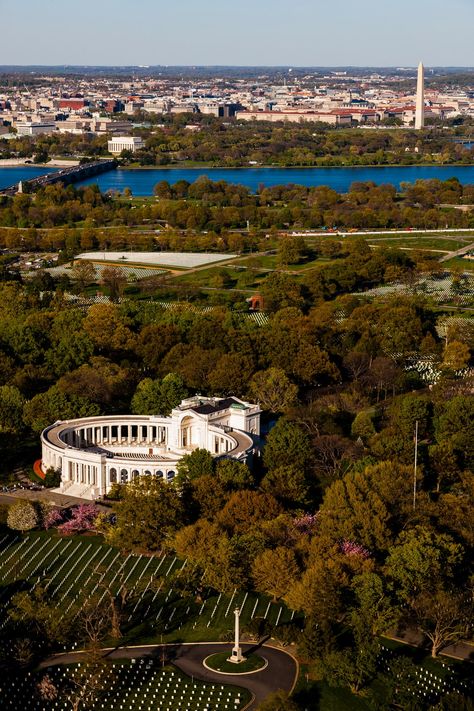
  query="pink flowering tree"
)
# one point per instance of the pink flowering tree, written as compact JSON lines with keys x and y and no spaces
{"x":55,"y":517}
{"x":306,"y":524}
{"x":350,"y":548}
{"x":82,"y":519}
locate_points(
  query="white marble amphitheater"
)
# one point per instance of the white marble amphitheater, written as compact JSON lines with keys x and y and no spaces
{"x":93,"y":453}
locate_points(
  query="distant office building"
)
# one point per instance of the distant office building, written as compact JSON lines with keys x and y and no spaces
{"x":73,"y":104}
{"x":117,"y":144}
{"x":29,"y":128}
{"x":131,"y":107}
{"x":220,"y":110}
{"x":113,"y":106}
{"x":334,"y":117}
{"x":108,"y":125}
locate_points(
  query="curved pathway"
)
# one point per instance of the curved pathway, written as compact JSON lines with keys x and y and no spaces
{"x":281,"y":672}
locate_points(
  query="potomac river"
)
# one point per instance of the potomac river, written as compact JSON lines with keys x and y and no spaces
{"x":141,"y":182}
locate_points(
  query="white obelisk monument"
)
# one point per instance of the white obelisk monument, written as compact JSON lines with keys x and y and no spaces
{"x":420,"y":98}
{"x":237,"y":655}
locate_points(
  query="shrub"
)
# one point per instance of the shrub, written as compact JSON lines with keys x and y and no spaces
{"x":52,"y":478}
{"x":22,"y":516}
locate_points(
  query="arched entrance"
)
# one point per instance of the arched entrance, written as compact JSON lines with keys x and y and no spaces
{"x":186,"y":432}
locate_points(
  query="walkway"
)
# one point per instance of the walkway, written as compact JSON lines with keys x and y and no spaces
{"x":49,"y":495}
{"x":458,"y":252}
{"x":281,"y":672}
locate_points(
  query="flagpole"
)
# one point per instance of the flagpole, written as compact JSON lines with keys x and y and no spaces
{"x":416,"y":464}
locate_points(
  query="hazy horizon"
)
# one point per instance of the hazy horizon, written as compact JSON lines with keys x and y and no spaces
{"x":309,"y":33}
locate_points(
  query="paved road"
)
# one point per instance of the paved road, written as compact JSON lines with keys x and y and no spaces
{"x":458,"y":650}
{"x":458,"y":252}
{"x":281,"y":672}
{"x":62,"y":500}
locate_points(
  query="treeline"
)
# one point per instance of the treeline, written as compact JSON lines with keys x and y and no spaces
{"x":58,"y":361}
{"x":218,"y":206}
{"x":329,"y":519}
{"x":46,"y":146}
{"x":229,"y":143}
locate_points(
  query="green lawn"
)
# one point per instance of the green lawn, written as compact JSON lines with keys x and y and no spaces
{"x":133,"y":685}
{"x":317,"y":695}
{"x":69,"y":569}
{"x":448,"y":244}
{"x":220,"y":662}
{"x":466,"y":265}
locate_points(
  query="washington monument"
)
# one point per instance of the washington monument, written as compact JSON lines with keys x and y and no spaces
{"x":420,"y":98}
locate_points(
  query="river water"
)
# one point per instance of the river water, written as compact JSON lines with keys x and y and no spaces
{"x":141,"y":182}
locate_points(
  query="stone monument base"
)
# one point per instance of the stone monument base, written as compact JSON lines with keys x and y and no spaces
{"x":236,"y":657}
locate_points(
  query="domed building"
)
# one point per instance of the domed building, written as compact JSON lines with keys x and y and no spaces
{"x":93,"y":453}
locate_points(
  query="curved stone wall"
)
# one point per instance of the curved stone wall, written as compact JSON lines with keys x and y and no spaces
{"x":93,"y":453}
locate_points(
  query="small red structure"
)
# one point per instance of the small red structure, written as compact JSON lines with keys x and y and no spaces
{"x":256,"y":303}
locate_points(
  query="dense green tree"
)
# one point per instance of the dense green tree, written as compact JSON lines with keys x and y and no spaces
{"x":147,"y":397}
{"x":287,"y":445}
{"x":353,"y":510}
{"x":233,"y":475}
{"x":11,"y":409}
{"x":455,"y":425}
{"x":351,"y":667}
{"x":158,"y":396}
{"x":375,"y":610}
{"x":147,"y":515}
{"x":46,"y":408}
{"x":71,"y":351}
{"x":40,"y":613}
{"x":420,"y":560}
{"x":107,"y":329}
{"x":274,"y":571}
{"x":247,"y":509}
{"x":194,"y":465}
{"x":278,"y":701}
{"x":289,"y":485}
{"x":101,"y":381}
{"x":291,"y":250}
{"x":231,"y":374}
{"x":273,"y":389}
{"x":280,"y":291}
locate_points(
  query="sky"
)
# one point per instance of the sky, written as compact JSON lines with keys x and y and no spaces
{"x":237,"y":32}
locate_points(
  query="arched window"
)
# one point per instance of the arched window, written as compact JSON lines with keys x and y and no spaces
{"x":147,"y":472}
{"x":123,"y":476}
{"x":135,"y":473}
{"x":159,"y":474}
{"x":113,"y":476}
{"x":170,"y":475}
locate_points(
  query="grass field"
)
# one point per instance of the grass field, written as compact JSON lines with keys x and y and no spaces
{"x":447,"y":244}
{"x":467,"y":265}
{"x":72,"y":570}
{"x":138,"y":684}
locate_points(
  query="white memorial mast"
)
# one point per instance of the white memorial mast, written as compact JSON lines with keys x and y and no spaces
{"x":237,"y":657}
{"x":420,"y":98}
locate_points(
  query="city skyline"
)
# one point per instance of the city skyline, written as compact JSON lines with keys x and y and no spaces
{"x":247,"y":34}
